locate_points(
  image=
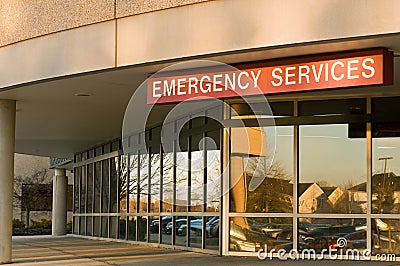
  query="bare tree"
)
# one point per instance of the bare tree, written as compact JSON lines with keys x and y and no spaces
{"x":28,"y":195}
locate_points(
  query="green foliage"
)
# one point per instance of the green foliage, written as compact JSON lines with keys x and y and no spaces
{"x":18,"y":223}
{"x":44,"y":223}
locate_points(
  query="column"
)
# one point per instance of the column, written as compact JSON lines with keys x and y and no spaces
{"x":7,"y":143}
{"x":59,"y":209}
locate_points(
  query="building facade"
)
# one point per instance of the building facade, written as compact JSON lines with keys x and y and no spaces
{"x":309,"y":158}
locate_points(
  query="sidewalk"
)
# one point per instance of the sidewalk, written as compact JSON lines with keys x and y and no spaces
{"x":48,"y":250}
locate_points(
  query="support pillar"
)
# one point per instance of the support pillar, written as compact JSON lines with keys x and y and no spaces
{"x":59,"y":209}
{"x":7,"y":143}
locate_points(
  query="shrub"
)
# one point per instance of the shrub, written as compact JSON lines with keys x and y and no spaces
{"x":44,"y":223}
{"x":18,"y":223}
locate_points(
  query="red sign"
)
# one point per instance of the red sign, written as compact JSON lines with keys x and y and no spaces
{"x":350,"y":69}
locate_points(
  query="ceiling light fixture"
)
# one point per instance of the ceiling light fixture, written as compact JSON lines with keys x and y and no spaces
{"x":83,"y":94}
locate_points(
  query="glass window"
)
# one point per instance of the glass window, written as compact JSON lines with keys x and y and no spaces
{"x":332,"y":170}
{"x":96,"y":226}
{"x":76,"y":225}
{"x":154,"y":227}
{"x":114,"y":185}
{"x":104,"y":226}
{"x":89,"y":226}
{"x":212,"y":232}
{"x":142,"y":229}
{"x":324,"y":233}
{"x":122,"y":227}
{"x":132,"y":228}
{"x":90,"y":188}
{"x":213,"y":188}
{"x":180,"y":230}
{"x":155,"y":181}
{"x":105,"y":186}
{"x":385,"y":168}
{"x":133,"y":181}
{"x":182,"y":177}
{"x":82,"y":225}
{"x":168,"y":181}
{"x":167,"y":230}
{"x":250,"y":234}
{"x":386,"y":237}
{"x":113,"y":226}
{"x":123,"y":183}
{"x":77,"y":179}
{"x":197,"y":173}
{"x":195,"y":231}
{"x":83,"y":191}
{"x":143,"y":182}
{"x":272,"y":181}
{"x":97,"y":187}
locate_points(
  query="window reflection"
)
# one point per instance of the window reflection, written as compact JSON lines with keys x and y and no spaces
{"x":275,"y":190}
{"x":123,"y":183}
{"x":386,"y":236}
{"x":386,"y":171}
{"x":133,"y":182}
{"x":276,"y":233}
{"x":143,"y":182}
{"x":168,"y":181}
{"x":182,"y":161}
{"x":332,"y":170}
{"x":212,"y":143}
{"x":320,"y":234}
{"x":197,"y":173}
{"x":155,"y":182}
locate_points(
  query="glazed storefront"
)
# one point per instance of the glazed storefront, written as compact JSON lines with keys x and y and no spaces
{"x":335,"y":172}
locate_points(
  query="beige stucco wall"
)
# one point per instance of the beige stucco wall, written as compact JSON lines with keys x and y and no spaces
{"x":25,"y":19}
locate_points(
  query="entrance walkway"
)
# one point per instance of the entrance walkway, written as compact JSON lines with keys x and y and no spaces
{"x":48,"y":250}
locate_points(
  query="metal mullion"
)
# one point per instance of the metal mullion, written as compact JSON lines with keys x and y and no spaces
{"x":137,"y":194}
{"x":149,"y":193}
{"x":189,"y":188}
{"x":205,"y":172}
{"x":225,"y":179}
{"x":93,"y":197}
{"x":79,"y":198}
{"x":109,"y":197}
{"x":296,"y":153}
{"x":161,"y":193}
{"x":86,"y":196}
{"x":119,"y":159}
{"x":128,"y":176}
{"x":174,"y":183}
{"x":101,"y":200}
{"x":369,"y":176}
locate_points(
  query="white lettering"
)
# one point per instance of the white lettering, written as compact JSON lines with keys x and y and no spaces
{"x":255,"y":78}
{"x":217,"y":82}
{"x":181,"y":85}
{"x":207,"y":85}
{"x":230,"y":83}
{"x":278,"y":77}
{"x":192,"y":85}
{"x":289,"y":75}
{"x":371,"y":69}
{"x":317,"y":77}
{"x":304,"y":74}
{"x":156,"y":95}
{"x":333,"y":74}
{"x":169,"y":90}
{"x":350,"y":69}
{"x":240,"y":84}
